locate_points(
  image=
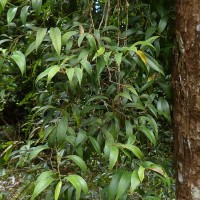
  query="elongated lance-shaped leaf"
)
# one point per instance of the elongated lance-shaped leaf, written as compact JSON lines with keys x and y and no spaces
{"x":79,"y":183}
{"x":24,"y":14}
{"x":114,"y":152}
{"x":79,"y":161}
{"x":55,"y":35}
{"x":11,"y":14}
{"x":149,"y":134}
{"x":124,"y":183}
{"x":20,"y":60}
{"x":37,"y":4}
{"x":57,"y":190}
{"x":40,"y":36}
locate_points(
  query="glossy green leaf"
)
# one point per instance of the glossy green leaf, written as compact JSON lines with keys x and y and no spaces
{"x":79,"y":74}
{"x":150,"y":31}
{"x":135,"y":150}
{"x":162,"y":24}
{"x":61,"y":130}
{"x":91,"y":41}
{"x":87,"y":66}
{"x":31,"y":48}
{"x":79,"y":183}
{"x":68,"y":35}
{"x":52,"y":72}
{"x":20,"y":60}
{"x":36,"y":150}
{"x":24,"y":14}
{"x":11,"y":14}
{"x":154,"y":64}
{"x":131,"y":89}
{"x":100,"y":65}
{"x":80,"y":39}
{"x":37,"y":4}
{"x":55,"y":35}
{"x":124,"y":184}
{"x":106,"y":57}
{"x":44,"y":73}
{"x":3,"y":3}
{"x":98,"y":97}
{"x":113,"y":187}
{"x":57,"y":190}
{"x":42,"y":182}
{"x":41,"y":33}
{"x":118,"y":58}
{"x":114,"y":152}
{"x":95,"y":144}
{"x":135,"y":181}
{"x":149,"y":134}
{"x":141,"y":173}
{"x":99,"y":52}
{"x":70,"y":74}
{"x":79,"y":161}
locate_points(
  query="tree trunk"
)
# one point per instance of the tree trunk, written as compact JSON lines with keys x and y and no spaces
{"x":186,"y":110}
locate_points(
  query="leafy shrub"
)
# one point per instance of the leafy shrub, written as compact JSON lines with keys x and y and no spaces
{"x":95,"y":97}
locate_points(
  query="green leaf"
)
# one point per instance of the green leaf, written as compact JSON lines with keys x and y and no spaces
{"x":131,"y":89}
{"x":79,"y":183}
{"x":125,"y":94}
{"x":162,"y":24}
{"x":87,"y":66}
{"x":106,"y":57}
{"x":57,"y":190}
{"x":41,"y":33}
{"x":55,"y":35}
{"x":79,"y":74}
{"x":149,"y":32}
{"x":24,"y":14}
{"x":141,"y":173}
{"x":31,"y":48}
{"x":36,"y":150}
{"x":37,"y":4}
{"x":114,"y":152}
{"x":118,"y":58}
{"x":44,"y":73}
{"x":95,"y":144}
{"x":163,"y":105}
{"x":100,"y":65}
{"x":135,"y":150}
{"x":123,"y":184}
{"x":135,"y":181}
{"x":70,"y":74}
{"x":80,"y":39}
{"x":20,"y":60}
{"x":61,"y":130}
{"x":98,"y":97}
{"x":149,"y":134}
{"x":113,"y":187}
{"x":100,"y":51}
{"x":11,"y":14}
{"x":68,"y":35}
{"x":79,"y":161}
{"x":129,"y":128}
{"x":42,"y":182}
{"x":54,"y":70}
{"x":3,"y":3}
{"x":154,"y":64}
{"x":91,"y":41}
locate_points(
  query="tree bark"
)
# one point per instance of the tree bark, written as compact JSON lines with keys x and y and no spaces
{"x":186,"y":109}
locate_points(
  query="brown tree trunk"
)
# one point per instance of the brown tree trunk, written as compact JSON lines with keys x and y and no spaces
{"x":186,"y":111}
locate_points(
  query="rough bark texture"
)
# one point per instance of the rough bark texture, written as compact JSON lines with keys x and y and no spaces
{"x":186,"y":83}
